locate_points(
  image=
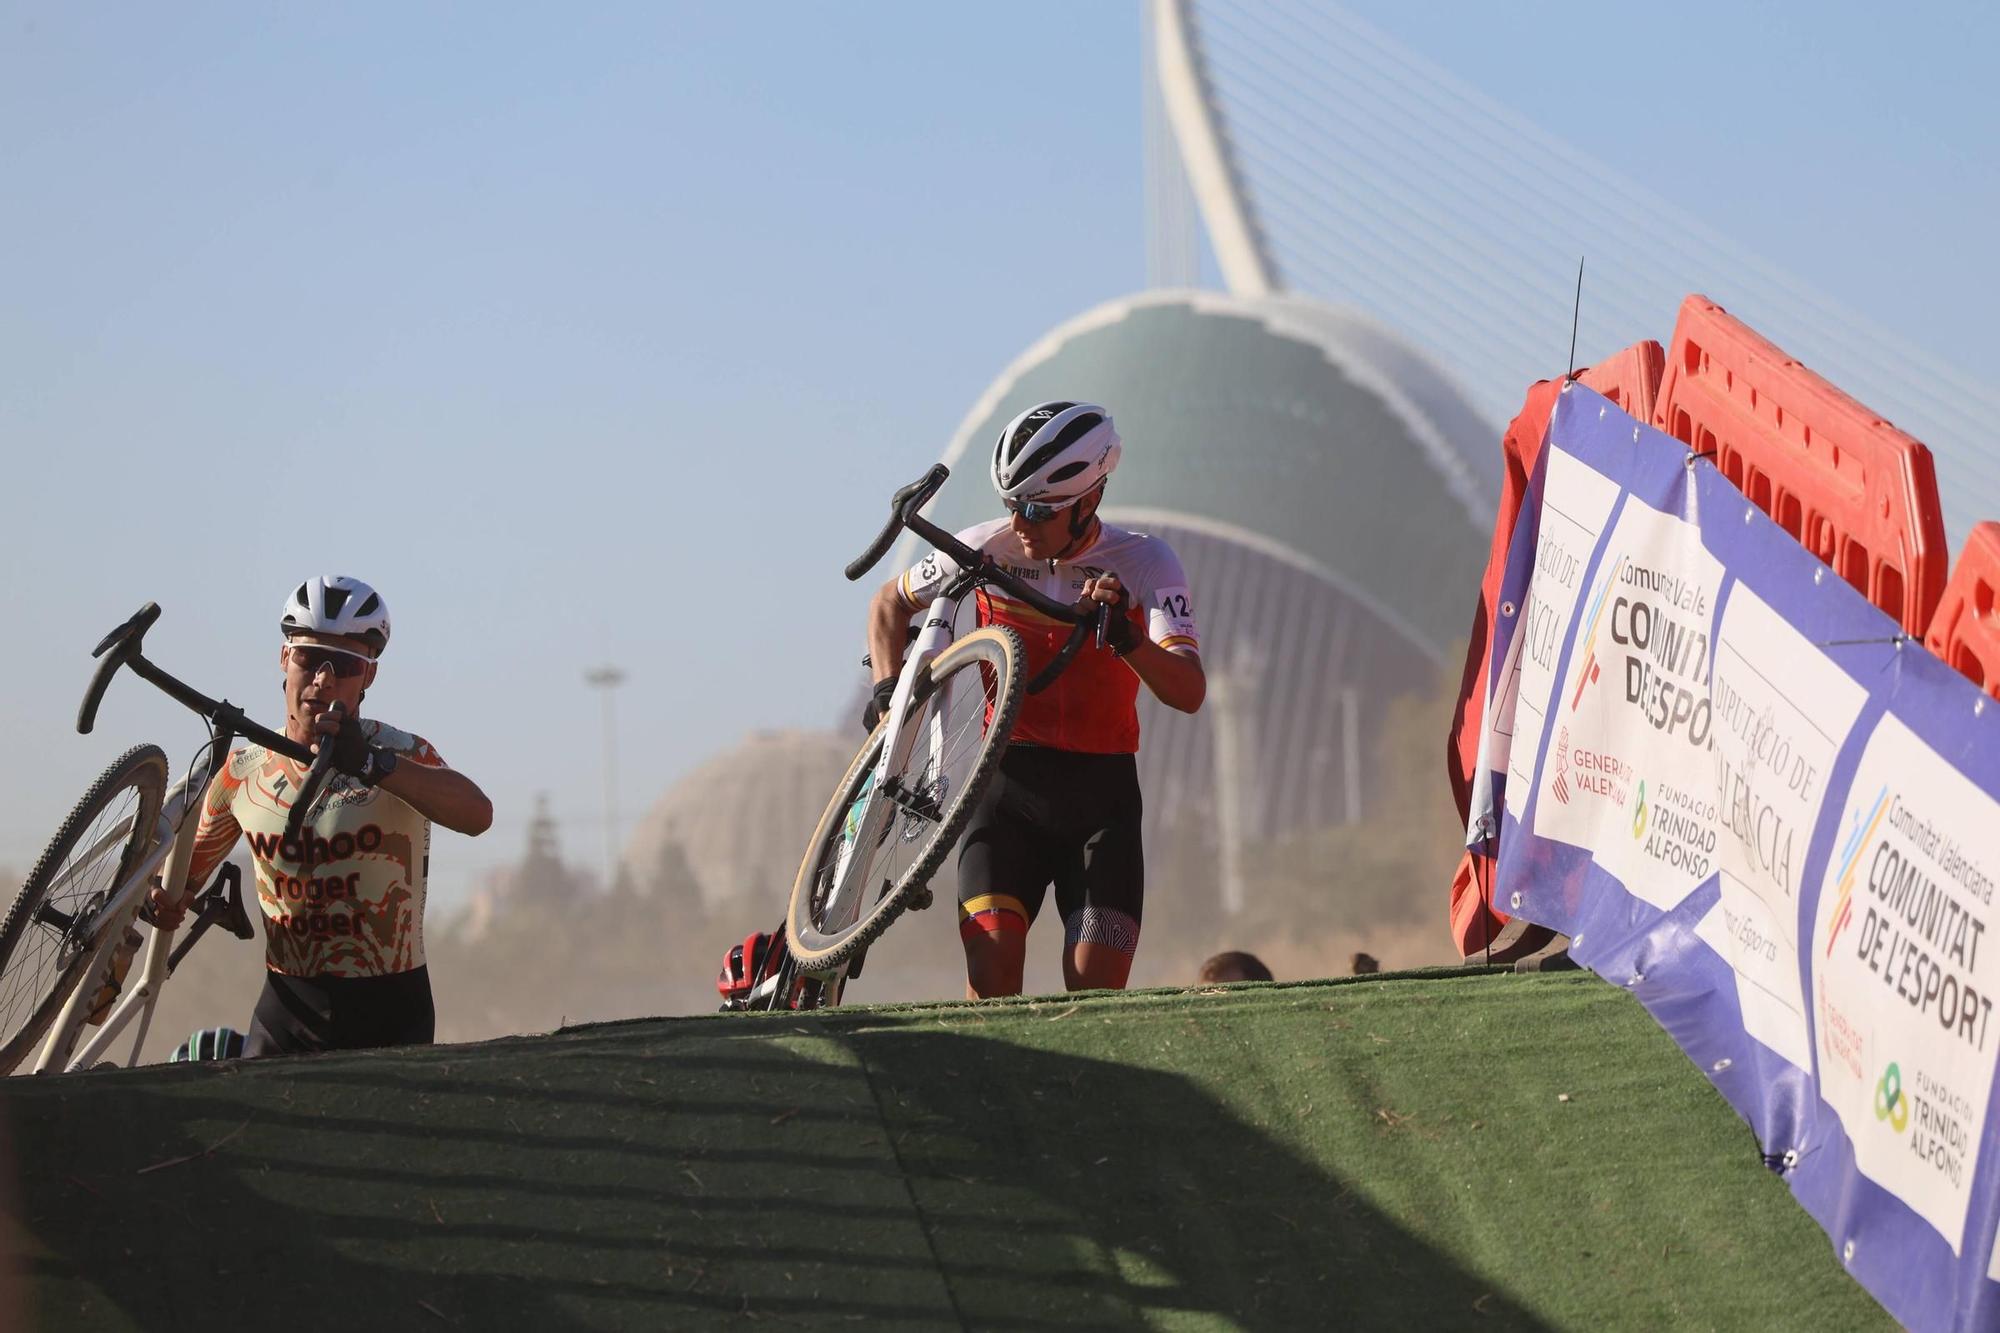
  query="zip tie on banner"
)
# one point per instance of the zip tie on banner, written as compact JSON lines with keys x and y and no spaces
{"x":1898,"y":639}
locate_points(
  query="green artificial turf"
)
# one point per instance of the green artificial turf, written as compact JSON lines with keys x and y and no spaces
{"x":1440,"y":1151}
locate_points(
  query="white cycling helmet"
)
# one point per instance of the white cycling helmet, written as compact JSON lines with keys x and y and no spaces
{"x":1054,"y":452}
{"x":337,"y":604}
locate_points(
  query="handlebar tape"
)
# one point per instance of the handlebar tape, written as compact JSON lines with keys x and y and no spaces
{"x":901,"y":506}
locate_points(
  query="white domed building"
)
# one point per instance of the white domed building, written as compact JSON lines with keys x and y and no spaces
{"x":739,"y":822}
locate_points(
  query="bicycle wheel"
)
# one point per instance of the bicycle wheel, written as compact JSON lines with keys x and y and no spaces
{"x":64,"y":907}
{"x":962,"y":709}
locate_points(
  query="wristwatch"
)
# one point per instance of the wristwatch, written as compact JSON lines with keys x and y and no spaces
{"x":379,"y":764}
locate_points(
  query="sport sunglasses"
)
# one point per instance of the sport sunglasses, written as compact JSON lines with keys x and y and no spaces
{"x":1038,"y":511}
{"x":343,"y":662}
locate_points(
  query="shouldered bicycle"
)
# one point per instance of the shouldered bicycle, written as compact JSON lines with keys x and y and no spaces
{"x":900,"y":807}
{"x":78,"y":908}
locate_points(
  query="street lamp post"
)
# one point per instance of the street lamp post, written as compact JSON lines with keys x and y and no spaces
{"x":608,"y":678}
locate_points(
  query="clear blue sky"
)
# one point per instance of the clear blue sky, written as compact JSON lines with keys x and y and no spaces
{"x":602,"y":332}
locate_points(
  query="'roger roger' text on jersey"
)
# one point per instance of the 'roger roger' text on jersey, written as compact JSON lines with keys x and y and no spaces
{"x":1093,"y":706}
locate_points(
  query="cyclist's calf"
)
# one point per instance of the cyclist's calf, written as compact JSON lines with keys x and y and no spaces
{"x":994,"y":930}
{"x":1098,"y":947}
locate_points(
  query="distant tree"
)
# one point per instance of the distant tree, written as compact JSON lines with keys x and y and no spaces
{"x":541,"y":875}
{"x":550,"y":947}
{"x":672,"y":882}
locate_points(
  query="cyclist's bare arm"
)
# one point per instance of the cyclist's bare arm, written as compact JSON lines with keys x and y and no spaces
{"x":440,"y":794}
{"x":888,"y":628}
{"x":1174,"y":675}
{"x":443,"y":796}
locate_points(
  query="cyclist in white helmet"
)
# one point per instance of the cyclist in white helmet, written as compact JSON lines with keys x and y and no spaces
{"x":343,"y":907}
{"x":1065,"y":808}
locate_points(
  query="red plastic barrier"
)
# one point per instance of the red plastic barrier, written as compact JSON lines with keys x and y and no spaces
{"x":1965,"y":629}
{"x":1630,"y":379}
{"x":1474,"y":923}
{"x":1856,"y":492}
{"x":1520,"y":447}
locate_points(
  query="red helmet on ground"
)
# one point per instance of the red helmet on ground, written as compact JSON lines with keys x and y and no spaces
{"x":748,"y":963}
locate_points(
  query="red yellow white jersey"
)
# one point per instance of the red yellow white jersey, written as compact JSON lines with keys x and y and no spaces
{"x":1093,"y":705}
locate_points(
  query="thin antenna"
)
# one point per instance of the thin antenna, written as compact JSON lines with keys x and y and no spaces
{"x":608,"y":678}
{"x":1573,"y":318}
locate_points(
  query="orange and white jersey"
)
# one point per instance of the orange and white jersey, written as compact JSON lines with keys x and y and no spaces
{"x":1093,"y":705}
{"x":347,"y":900}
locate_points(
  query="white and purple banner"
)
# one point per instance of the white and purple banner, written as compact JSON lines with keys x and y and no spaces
{"x":1748,"y":799}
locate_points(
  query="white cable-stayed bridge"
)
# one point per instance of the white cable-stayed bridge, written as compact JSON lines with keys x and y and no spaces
{"x":1324,"y":158}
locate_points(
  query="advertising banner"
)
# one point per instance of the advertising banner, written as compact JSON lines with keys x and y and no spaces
{"x":1746,"y":797}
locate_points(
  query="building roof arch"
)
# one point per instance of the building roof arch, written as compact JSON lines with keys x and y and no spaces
{"x":1312,"y":427}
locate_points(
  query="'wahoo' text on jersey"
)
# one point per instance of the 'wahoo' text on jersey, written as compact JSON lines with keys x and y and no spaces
{"x":348,"y":899}
{"x":1093,"y":705}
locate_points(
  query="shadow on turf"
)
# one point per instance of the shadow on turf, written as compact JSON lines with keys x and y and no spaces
{"x":681,"y":1175}
{"x":1074,"y":1190}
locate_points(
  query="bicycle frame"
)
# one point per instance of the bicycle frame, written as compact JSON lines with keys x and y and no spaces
{"x":884,"y":798}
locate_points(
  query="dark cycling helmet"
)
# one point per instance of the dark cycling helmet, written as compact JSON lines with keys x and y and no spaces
{"x":210,"y":1044}
{"x":748,"y":963}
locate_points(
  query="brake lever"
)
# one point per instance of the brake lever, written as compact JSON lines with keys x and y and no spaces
{"x":317,"y":776}
{"x":1047,"y":675}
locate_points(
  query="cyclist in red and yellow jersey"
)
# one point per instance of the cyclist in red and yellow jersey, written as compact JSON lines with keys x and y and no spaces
{"x":1065,"y":807}
{"x":343,"y":906}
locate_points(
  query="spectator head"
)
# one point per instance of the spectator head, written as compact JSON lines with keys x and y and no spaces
{"x":1365,"y":963}
{"x":1235,"y":966}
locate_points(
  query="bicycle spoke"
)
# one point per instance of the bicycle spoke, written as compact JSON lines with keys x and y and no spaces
{"x":98,"y":846}
{"x":61,"y":924}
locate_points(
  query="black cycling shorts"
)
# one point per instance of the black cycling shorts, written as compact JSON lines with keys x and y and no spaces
{"x":302,"y":1015}
{"x":1063,"y":818}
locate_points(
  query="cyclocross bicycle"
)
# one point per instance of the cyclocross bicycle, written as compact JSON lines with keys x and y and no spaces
{"x":902,"y":803}
{"x":61,"y":942}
